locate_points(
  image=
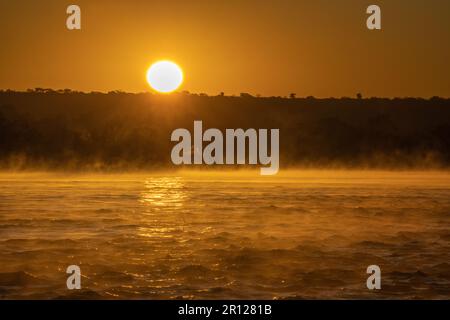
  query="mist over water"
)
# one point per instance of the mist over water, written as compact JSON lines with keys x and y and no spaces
{"x":300,"y":234}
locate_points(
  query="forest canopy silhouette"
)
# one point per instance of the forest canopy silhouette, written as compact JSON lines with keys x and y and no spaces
{"x":67,"y":130}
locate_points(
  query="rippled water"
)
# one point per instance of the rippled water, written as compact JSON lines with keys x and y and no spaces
{"x":300,"y":234}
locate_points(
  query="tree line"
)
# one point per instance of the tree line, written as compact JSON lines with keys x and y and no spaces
{"x":65,"y":129}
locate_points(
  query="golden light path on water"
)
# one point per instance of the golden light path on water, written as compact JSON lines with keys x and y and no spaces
{"x":162,"y":194}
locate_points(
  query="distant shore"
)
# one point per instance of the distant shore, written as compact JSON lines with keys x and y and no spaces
{"x":45,"y":129}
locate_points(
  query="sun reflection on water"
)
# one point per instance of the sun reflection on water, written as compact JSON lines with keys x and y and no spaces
{"x":163,"y":199}
{"x":164,"y":192}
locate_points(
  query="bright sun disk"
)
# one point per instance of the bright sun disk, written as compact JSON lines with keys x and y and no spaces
{"x":164,"y":76}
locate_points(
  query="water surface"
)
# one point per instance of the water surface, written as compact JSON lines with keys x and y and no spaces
{"x":301,"y":234}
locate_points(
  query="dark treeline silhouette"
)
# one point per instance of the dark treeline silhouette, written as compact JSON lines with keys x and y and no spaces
{"x":47,"y":129}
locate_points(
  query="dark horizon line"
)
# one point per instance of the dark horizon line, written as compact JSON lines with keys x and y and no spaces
{"x":358,"y":96}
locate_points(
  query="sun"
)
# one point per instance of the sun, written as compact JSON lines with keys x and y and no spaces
{"x":164,"y":76}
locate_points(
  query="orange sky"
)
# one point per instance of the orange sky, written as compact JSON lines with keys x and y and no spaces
{"x":315,"y":47}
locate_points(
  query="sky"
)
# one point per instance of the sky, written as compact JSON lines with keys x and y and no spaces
{"x":316,"y":48}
